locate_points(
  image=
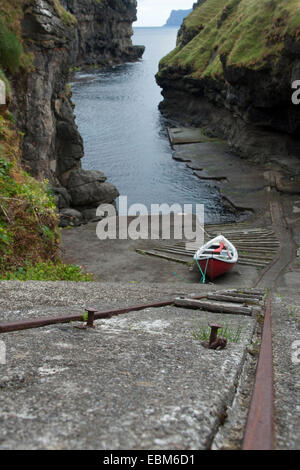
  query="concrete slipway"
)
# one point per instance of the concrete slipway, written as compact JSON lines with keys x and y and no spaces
{"x":136,"y":381}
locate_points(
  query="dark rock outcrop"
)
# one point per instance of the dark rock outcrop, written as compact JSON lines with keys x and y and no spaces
{"x":104,"y":30}
{"x":70,"y":217}
{"x":42,"y":106}
{"x":90,"y":188}
{"x":235,"y":83}
{"x":85,"y":32}
{"x":62,"y":197}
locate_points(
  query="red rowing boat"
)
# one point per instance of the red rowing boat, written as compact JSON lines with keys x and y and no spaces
{"x":216,"y":257}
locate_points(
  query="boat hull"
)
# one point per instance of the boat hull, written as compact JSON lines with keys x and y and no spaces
{"x":214,"y":268}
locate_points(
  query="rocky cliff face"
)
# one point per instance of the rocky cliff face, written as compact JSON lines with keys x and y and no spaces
{"x":104,"y":30}
{"x":84,"y":32}
{"x":232,"y":71}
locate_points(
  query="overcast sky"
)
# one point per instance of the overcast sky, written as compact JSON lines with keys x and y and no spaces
{"x":156,"y":12}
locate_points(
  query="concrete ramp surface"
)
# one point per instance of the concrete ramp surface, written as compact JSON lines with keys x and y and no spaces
{"x":137,"y":381}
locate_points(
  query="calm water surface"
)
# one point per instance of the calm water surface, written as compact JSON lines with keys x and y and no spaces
{"x":125,"y":136}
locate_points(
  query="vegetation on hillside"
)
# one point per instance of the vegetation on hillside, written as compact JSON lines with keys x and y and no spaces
{"x":28,"y":219}
{"x":248,"y":32}
{"x":12,"y":55}
{"x":29,"y":233}
{"x":66,"y":17}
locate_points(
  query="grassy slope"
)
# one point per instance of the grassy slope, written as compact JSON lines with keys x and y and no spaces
{"x":248,"y":32}
{"x":29,"y":234}
{"x":28,"y":220}
{"x":12,"y":55}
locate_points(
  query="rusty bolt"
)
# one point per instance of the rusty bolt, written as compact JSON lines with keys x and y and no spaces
{"x":213,"y":334}
{"x":91,"y":317}
{"x":220,"y":343}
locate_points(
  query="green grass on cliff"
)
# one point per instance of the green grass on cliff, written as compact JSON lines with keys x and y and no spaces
{"x":12,"y":54}
{"x":10,"y":49}
{"x":248,"y":32}
{"x":66,"y":17}
{"x":28,"y":220}
{"x":4,"y":78}
{"x":29,"y":233}
{"x":13,"y":57}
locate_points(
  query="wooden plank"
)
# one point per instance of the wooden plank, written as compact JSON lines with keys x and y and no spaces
{"x":242,"y":293}
{"x":244,"y":232}
{"x":167,"y":258}
{"x":246,"y":292}
{"x":213,"y":306}
{"x":273,"y":246}
{"x":252,"y":235}
{"x":246,"y":235}
{"x":258,"y":244}
{"x":178,"y":252}
{"x":260,"y":251}
{"x":254,"y":265}
{"x":256,"y":250}
{"x":256,"y":258}
{"x":247,"y":232}
{"x":234,"y":299}
{"x":248,"y":239}
{"x":262,"y":259}
{"x":253,"y":262}
{"x":255,"y":242}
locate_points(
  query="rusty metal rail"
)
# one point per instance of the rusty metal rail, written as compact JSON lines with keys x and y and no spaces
{"x":259,"y":432}
{"x":97,"y":315}
{"x":45,"y":321}
{"x":93,"y":314}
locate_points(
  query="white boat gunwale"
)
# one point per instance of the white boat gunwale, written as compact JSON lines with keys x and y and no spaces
{"x":207,"y":247}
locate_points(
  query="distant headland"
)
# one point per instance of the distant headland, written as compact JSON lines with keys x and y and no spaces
{"x":176,"y":17}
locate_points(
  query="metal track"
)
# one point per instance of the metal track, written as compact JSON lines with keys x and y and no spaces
{"x":45,"y":321}
{"x":9,"y":327}
{"x":259,"y":431}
